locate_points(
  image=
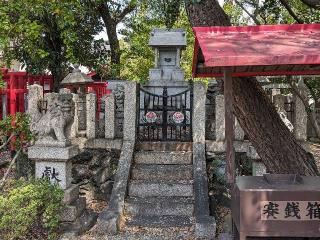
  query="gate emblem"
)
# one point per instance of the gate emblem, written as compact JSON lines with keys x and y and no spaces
{"x":178,"y":117}
{"x":151,"y":117}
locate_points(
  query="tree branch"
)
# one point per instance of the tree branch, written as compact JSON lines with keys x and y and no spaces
{"x":291,"y":12}
{"x":3,"y":180}
{"x":312,"y":3}
{"x":6,"y":142}
{"x":256,"y":21}
{"x":125,"y":11}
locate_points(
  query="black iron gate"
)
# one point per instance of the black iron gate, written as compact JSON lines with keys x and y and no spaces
{"x":165,"y":115}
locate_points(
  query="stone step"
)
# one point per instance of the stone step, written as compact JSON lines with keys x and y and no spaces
{"x":159,"y":206}
{"x":159,"y":221}
{"x":164,"y":146}
{"x":141,"y":188}
{"x":163,"y":157}
{"x":161,"y":172}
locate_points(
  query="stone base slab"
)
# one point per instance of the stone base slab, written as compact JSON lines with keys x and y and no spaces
{"x":70,"y":194}
{"x":71,"y":212}
{"x":219,"y":146}
{"x":83,"y":224}
{"x":48,"y":142}
{"x":52,"y":153}
{"x":102,"y":143}
{"x":206,"y":228}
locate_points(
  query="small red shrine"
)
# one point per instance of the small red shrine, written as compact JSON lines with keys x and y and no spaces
{"x":262,"y":51}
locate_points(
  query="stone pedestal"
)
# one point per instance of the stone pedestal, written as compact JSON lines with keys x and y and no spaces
{"x":55,"y":164}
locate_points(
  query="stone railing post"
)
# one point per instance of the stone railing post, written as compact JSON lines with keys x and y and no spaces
{"x":110,"y":111}
{"x":205,"y":224}
{"x":278,"y":101}
{"x":75,"y":125}
{"x":91,"y":105}
{"x":130,"y":111}
{"x":220,"y":118}
{"x":300,"y":119}
{"x":109,"y":219}
{"x":34,"y":97}
{"x":220,"y":122}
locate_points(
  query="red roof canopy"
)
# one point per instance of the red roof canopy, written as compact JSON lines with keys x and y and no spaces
{"x":257,"y":50}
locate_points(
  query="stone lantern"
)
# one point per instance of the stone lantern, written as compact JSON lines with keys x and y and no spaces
{"x":167,"y":45}
{"x":76,"y":81}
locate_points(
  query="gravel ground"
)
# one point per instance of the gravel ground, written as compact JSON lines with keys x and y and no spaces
{"x":147,"y":234}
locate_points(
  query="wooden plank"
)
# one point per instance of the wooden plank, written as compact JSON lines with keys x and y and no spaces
{"x":229,"y":125}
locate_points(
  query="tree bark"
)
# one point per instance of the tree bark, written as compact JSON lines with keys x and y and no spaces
{"x":276,"y":146}
{"x":312,"y":3}
{"x":111,"y":27}
{"x":111,"y":20}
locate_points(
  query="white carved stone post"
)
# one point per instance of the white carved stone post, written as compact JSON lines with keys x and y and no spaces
{"x":91,"y":103}
{"x":258,"y":168}
{"x":220,"y":118}
{"x":34,"y":97}
{"x":199,"y":113}
{"x":130,"y":111}
{"x":110,"y":107}
{"x":238,"y":132}
{"x":300,"y":113}
{"x":278,"y":101}
{"x":220,"y":122}
{"x":75,"y":125}
{"x":205,"y":224}
{"x":274,"y":92}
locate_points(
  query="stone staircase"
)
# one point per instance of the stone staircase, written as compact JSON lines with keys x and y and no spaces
{"x":161,"y":186}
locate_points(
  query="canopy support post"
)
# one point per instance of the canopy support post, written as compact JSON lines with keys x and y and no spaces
{"x":229,"y":125}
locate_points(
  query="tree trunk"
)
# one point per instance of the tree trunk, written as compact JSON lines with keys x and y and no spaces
{"x":57,"y":74}
{"x":276,"y":146}
{"x":111,"y":27}
{"x":114,"y":44}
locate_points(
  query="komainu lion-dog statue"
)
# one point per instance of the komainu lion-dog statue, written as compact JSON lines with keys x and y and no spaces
{"x":50,"y":118}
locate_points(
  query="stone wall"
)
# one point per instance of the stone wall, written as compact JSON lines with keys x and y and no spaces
{"x":94,"y":170}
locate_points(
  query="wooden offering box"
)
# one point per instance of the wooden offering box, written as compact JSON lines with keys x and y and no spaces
{"x":276,"y":205}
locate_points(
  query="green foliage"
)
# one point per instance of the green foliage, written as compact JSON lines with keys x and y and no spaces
{"x":2,"y":83}
{"x":19,"y":126}
{"x":237,"y":17}
{"x":29,"y":207}
{"x":273,"y":12}
{"x":49,"y":34}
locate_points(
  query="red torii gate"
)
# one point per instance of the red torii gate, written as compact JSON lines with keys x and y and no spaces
{"x":246,"y":51}
{"x":12,"y":97}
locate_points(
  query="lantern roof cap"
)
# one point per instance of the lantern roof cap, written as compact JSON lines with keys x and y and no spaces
{"x":168,"y":38}
{"x":76,"y":77}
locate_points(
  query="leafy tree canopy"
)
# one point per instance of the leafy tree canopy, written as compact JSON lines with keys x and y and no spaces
{"x":49,"y":34}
